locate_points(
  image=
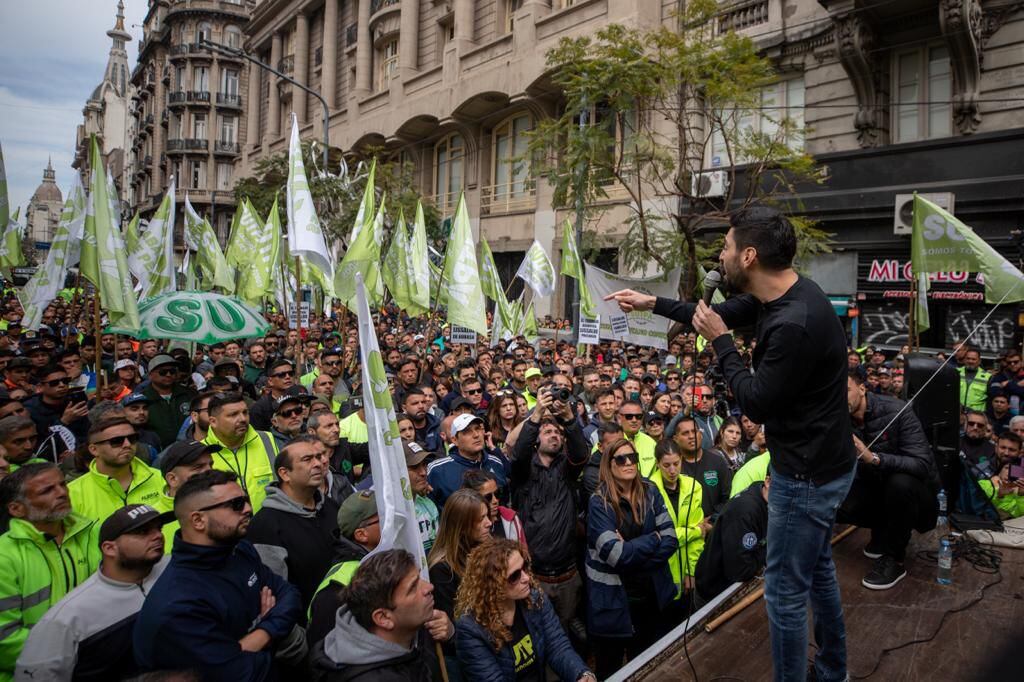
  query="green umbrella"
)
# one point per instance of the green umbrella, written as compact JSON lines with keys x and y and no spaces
{"x":195,"y":316}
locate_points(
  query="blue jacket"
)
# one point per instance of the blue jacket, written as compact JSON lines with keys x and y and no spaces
{"x":480,"y":663}
{"x":430,"y":434}
{"x":207,"y":599}
{"x":445,"y":473}
{"x":609,"y":557}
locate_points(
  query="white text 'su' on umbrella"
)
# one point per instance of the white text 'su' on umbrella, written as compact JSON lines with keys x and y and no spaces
{"x":196,"y":316}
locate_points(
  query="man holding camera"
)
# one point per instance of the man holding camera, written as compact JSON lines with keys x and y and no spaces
{"x":547,"y":458}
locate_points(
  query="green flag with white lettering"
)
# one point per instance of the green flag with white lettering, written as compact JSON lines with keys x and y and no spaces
{"x":462,"y":276}
{"x":394,"y":270}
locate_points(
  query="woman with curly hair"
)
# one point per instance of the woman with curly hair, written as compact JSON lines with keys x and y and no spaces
{"x":630,"y":537}
{"x":502,"y":416}
{"x":507,"y":628}
{"x":465,"y":523}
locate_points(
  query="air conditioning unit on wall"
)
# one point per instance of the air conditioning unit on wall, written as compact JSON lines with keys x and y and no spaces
{"x":710,"y":184}
{"x":903,"y":212}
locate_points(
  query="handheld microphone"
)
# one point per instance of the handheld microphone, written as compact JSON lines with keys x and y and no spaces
{"x":712,"y":282}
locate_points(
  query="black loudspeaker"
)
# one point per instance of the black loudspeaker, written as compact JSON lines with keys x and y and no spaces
{"x":937,"y":406}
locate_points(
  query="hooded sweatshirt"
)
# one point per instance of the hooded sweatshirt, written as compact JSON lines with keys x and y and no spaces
{"x":350,"y":653}
{"x":297,"y":543}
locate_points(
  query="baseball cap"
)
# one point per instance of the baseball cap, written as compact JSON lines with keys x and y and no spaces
{"x":653,"y":416}
{"x":225,"y":362}
{"x":355,"y":511}
{"x":160,"y":361}
{"x":121,"y":364}
{"x":129,"y":518}
{"x":284,"y":400}
{"x":419,"y":337}
{"x":463,"y":421}
{"x":459,"y":403}
{"x":532,"y":372}
{"x":184,"y":452}
{"x":414,"y":453}
{"x":19,"y":363}
{"x":133,"y":398}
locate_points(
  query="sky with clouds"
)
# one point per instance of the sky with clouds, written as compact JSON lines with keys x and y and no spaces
{"x":53,"y":55}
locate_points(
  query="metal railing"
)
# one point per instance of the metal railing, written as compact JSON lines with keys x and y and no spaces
{"x":378,"y":5}
{"x":445,"y":203}
{"x":149,"y":121}
{"x":199,"y":96}
{"x":178,"y":97}
{"x":229,"y":100}
{"x":175,"y":145}
{"x":148,"y":161}
{"x":222,"y":147}
{"x":508,"y":197}
{"x":194,"y":143}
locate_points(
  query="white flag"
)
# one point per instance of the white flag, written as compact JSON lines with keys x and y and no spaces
{"x":395,"y":506}
{"x":536,"y":270}
{"x":305,"y":238}
{"x":153,"y":263}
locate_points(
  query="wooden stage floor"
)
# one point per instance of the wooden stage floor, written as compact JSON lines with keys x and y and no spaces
{"x":961,"y":649}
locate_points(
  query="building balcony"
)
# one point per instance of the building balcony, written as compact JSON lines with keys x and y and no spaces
{"x":380,"y":10}
{"x":166,"y":78}
{"x":144,"y":93}
{"x":177,"y":98}
{"x":164,"y":117}
{"x":222,"y":147}
{"x":148,"y":161}
{"x":445,"y":203}
{"x":508,"y":197}
{"x":178,"y":51}
{"x":378,"y":5}
{"x":225,"y":99}
{"x":148,"y":122}
{"x":199,"y":96}
{"x":287,"y":64}
{"x":176,"y":145}
{"x":196,"y":144}
{"x":743,"y":15}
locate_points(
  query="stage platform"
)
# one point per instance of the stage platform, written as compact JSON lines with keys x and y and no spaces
{"x":961,"y":649}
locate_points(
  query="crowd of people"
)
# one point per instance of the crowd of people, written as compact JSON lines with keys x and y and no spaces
{"x":208,"y":514}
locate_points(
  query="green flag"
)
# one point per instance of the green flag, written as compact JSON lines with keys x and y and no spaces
{"x":234,"y":249}
{"x":572,"y":266}
{"x":529,"y":328}
{"x":394,"y":270}
{"x":462,"y":276}
{"x":263,"y":245}
{"x":11,"y":255}
{"x":366,"y":206}
{"x":537,"y":271}
{"x":941,"y":243}
{"x":103,"y":254}
{"x":490,"y":280}
{"x":418,"y":266}
{"x":436,"y":278}
{"x":5,"y":207}
{"x":209,"y":259}
{"x":154,"y":260}
{"x":131,"y":234}
{"x":363,"y":256}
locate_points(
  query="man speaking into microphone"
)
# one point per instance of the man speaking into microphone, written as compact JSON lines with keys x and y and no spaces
{"x":798,"y":391}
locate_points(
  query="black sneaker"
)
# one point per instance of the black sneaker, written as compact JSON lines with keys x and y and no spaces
{"x":884,"y":574}
{"x":872,"y":551}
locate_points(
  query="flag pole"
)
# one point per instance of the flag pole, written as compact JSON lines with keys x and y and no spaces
{"x":298,"y":315}
{"x":912,"y":316}
{"x":98,"y":334}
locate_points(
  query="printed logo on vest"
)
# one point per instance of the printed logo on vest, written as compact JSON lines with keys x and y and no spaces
{"x":749,"y":540}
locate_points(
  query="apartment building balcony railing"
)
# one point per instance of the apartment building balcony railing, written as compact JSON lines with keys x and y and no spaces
{"x":743,"y":15}
{"x":164,"y":117}
{"x":286,"y":64}
{"x":196,"y":144}
{"x":175,"y":98}
{"x":508,"y":197}
{"x":148,"y":161}
{"x":176,"y":145}
{"x":225,"y":99}
{"x":445,"y":203}
{"x":148,"y":122}
{"x":201,"y":96}
{"x":223,"y":147}
{"x":378,"y":5}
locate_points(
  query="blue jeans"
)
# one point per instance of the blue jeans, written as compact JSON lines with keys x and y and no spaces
{"x":800,"y":518}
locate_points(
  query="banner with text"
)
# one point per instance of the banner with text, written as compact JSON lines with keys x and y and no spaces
{"x":645,"y":328}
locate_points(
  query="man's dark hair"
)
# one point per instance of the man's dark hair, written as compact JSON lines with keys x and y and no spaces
{"x":201,"y":483}
{"x":415,"y":390}
{"x":408,"y":359}
{"x":105,"y":423}
{"x":1012,"y":437}
{"x":374,"y":583}
{"x":769,"y":232}
{"x":220,"y":384}
{"x":219,"y":400}
{"x":51,"y":369}
{"x":329,"y":351}
{"x":284,"y":457}
{"x":216,"y":346}
{"x":474,"y":479}
{"x":519,"y":362}
{"x":634,"y":403}
{"x":272,"y":369}
{"x":194,"y":404}
{"x":608,"y":429}
{"x":12,"y":488}
{"x":856,"y":377}
{"x":68,"y":353}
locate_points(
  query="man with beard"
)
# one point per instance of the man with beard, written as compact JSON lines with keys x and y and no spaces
{"x":52,"y":407}
{"x":328,"y":363}
{"x":169,"y":401}
{"x":798,"y":391}
{"x":295,"y":532}
{"x":407,"y":377}
{"x":116,"y":477}
{"x":289,"y":414}
{"x":416,"y":404}
{"x":243,"y":450}
{"x":895,"y":488}
{"x":47,"y":552}
{"x":280,"y":383}
{"x":87,"y":636}
{"x":255,"y":362}
{"x":217,"y":609}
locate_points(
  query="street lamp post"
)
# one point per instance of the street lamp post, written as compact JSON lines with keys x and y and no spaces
{"x":239,"y":53}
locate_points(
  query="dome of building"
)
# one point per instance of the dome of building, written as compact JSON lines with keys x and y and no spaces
{"x":47,"y":189}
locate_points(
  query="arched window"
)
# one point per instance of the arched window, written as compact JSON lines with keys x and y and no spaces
{"x":448,"y":172}
{"x":510,"y":171}
{"x":233,"y":36}
{"x":204,"y":32}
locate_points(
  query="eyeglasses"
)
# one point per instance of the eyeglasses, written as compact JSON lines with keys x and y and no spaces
{"x":54,"y":383}
{"x":979,"y":425}
{"x":131,"y":438}
{"x":707,"y":396}
{"x":517,"y":575}
{"x":623,"y":460}
{"x":332,"y":363}
{"x":474,"y":391}
{"x":166,"y":371}
{"x":488,"y":497}
{"x":235,"y":504}
{"x":294,"y":412}
{"x":631,"y":416}
{"x":280,"y":375}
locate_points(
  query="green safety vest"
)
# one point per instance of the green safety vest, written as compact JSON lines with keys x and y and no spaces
{"x":252,"y":462}
{"x":683,"y":562}
{"x":974,"y":392}
{"x":97,"y":496}
{"x":340,"y":574}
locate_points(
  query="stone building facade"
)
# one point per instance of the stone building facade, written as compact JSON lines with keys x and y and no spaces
{"x":452,"y":85}
{"x":44,"y":208}
{"x":188,"y":113}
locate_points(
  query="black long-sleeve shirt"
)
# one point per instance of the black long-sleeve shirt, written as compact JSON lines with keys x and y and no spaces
{"x":735,"y":551}
{"x":798,"y":388}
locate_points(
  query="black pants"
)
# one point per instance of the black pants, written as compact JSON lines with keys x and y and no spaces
{"x":891,"y":505}
{"x":649,"y":626}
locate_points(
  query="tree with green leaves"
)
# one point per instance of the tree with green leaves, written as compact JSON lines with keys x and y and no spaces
{"x":640,"y":110}
{"x":337,"y":197}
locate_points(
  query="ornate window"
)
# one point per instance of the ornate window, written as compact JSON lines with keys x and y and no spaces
{"x":388,"y":60}
{"x":923,"y":87}
{"x":449,"y":154}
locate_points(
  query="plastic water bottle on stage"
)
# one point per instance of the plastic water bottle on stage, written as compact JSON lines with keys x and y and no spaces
{"x":942,"y":522}
{"x":945,"y":576}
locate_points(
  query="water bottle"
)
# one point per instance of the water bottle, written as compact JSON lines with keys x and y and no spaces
{"x":942,"y":522}
{"x":945,"y":576}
